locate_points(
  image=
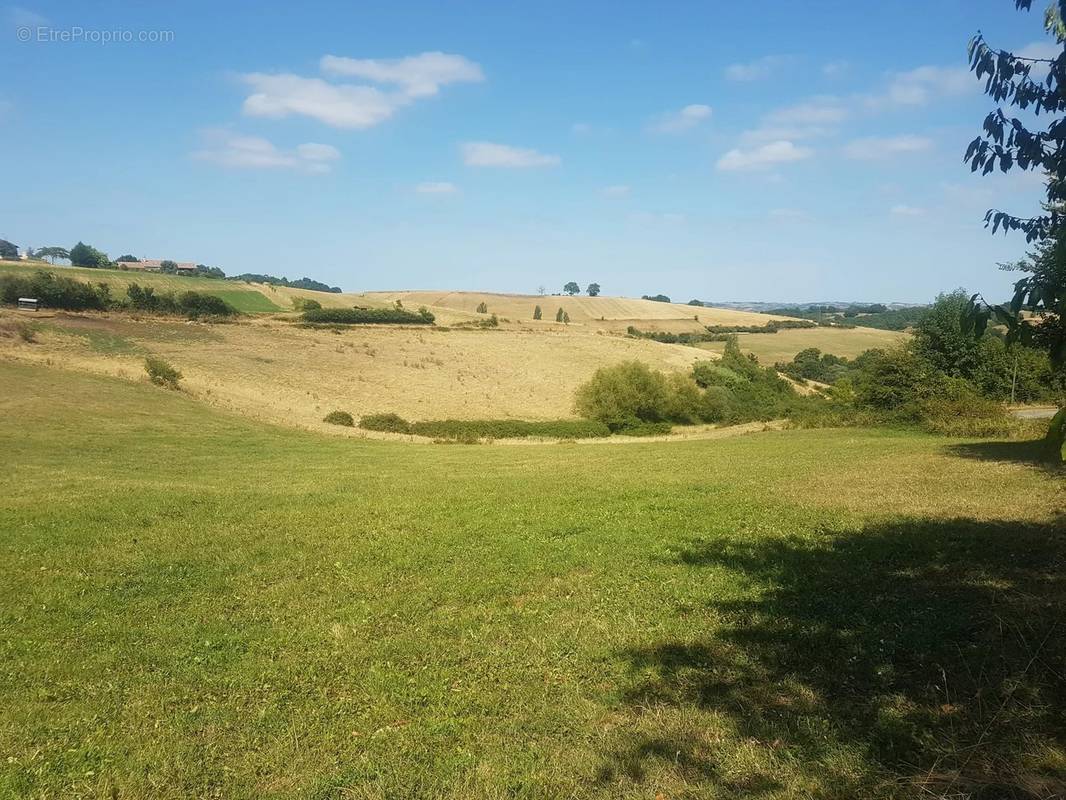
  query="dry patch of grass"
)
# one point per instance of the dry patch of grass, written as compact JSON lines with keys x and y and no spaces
{"x":771,"y":348}
{"x":273,"y":370}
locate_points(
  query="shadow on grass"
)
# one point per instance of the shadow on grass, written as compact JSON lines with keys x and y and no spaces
{"x":916,"y":658}
{"x":1031,"y":453}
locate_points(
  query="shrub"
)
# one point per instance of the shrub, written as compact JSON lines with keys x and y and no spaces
{"x":161,"y":372}
{"x":483,"y":308}
{"x":339,"y":418}
{"x":390,"y":423}
{"x":708,"y":373}
{"x":196,"y":305}
{"x":559,"y":315}
{"x":367,"y":316}
{"x":305,"y":303}
{"x":26,"y":332}
{"x":537,"y":313}
{"x":55,"y":292}
{"x":466,"y":430}
{"x":1055,"y":441}
{"x":630,"y":393}
{"x":647,"y":429}
{"x":717,"y":404}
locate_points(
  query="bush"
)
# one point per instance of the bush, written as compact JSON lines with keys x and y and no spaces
{"x":339,"y":418}
{"x":26,"y":332}
{"x":647,"y":429}
{"x":483,"y":308}
{"x":55,"y":292}
{"x":471,"y":430}
{"x":390,"y":423}
{"x":305,"y":304}
{"x":537,"y":313}
{"x":161,"y":372}
{"x":193,"y":304}
{"x":629,"y":394}
{"x":367,"y":316}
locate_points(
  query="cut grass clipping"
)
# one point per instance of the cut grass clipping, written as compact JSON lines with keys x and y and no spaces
{"x":473,"y":429}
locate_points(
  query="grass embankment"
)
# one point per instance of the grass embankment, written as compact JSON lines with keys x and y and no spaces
{"x":194,"y":604}
{"x":246,"y":300}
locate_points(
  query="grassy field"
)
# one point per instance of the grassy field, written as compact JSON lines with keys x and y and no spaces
{"x":242,"y":296}
{"x":271,"y":369}
{"x":197,"y":605}
{"x":771,"y":348}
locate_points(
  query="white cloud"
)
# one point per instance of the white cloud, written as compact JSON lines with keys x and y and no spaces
{"x":350,"y":105}
{"x":835,"y":69}
{"x":903,"y":210}
{"x":419,"y":76}
{"x":756,"y":70}
{"x":490,"y":154}
{"x":820,"y":110}
{"x":229,"y":149}
{"x":918,"y":86}
{"x":876,"y":147}
{"x":437,"y":187}
{"x":686,"y":119}
{"x":342,"y":106}
{"x":618,"y":190}
{"x":763,"y":156}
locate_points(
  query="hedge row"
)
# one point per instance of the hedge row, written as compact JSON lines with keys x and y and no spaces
{"x":718,"y":333}
{"x":466,"y":429}
{"x":367,"y":316}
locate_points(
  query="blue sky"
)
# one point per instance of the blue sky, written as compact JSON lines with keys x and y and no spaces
{"x":724,"y":151}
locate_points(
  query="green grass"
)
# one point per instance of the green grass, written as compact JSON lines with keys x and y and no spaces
{"x":196,"y":605}
{"x":248,"y":301}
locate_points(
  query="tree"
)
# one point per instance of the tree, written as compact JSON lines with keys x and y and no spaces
{"x":127,"y":259}
{"x":696,"y":303}
{"x":541,"y":290}
{"x":566,"y":318}
{"x":537,"y":313}
{"x":658,"y":298}
{"x":168,"y":266}
{"x":572,"y":288}
{"x":1008,"y":144}
{"x":52,"y":253}
{"x":8,"y":250}
{"x":483,"y":308}
{"x":559,"y":314}
{"x":593,"y":290}
{"x":83,"y":255}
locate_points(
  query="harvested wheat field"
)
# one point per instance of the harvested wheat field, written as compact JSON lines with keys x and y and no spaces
{"x":270,"y":369}
{"x":771,"y":348}
{"x":607,"y":313}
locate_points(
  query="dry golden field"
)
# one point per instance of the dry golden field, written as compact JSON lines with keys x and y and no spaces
{"x":771,"y":348}
{"x":267,"y":368}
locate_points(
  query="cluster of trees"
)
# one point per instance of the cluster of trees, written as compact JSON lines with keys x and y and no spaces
{"x":658,"y":298}
{"x":940,"y":349}
{"x":301,"y":283}
{"x":73,"y":295}
{"x":572,"y":288}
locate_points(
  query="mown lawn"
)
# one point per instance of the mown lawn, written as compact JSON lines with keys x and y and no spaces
{"x":246,"y":300}
{"x":196,"y":605}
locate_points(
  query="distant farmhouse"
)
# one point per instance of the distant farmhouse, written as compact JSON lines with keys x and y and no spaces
{"x":156,"y":265}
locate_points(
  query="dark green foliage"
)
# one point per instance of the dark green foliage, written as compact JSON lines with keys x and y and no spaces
{"x":168,"y":267}
{"x":1055,"y":441}
{"x":367,"y":316}
{"x":658,"y":298}
{"x":1007,"y":143}
{"x":82,"y":255}
{"x":8,"y":250}
{"x":537,"y":313}
{"x":559,"y":315}
{"x":483,"y":308}
{"x":717,"y":333}
{"x":894,"y":320}
{"x":572,"y":288}
{"x":55,"y":292}
{"x":52,"y":253}
{"x":647,"y":429}
{"x":302,"y":283}
{"x":127,"y":259}
{"x":696,"y":303}
{"x":305,"y":303}
{"x":339,"y":418}
{"x":192,"y":304}
{"x":161,"y":372}
{"x":390,"y":423}
{"x":811,"y":364}
{"x":472,"y":430}
{"x":205,"y":271}
{"x":593,"y":289}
